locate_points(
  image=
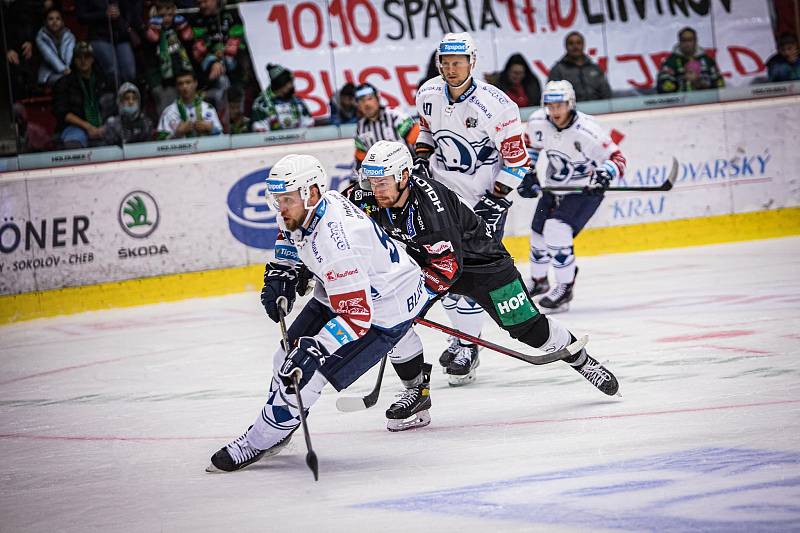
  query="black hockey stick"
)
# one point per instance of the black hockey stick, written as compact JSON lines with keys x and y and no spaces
{"x":348,"y":404}
{"x":311,"y":457}
{"x":667,"y":185}
{"x":544,"y":359}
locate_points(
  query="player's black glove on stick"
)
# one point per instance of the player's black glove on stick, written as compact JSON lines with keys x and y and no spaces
{"x":530,"y":186}
{"x":279,"y":280}
{"x":598,"y":183}
{"x":308,"y":356}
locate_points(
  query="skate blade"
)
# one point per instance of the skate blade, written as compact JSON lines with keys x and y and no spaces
{"x":460,"y":381}
{"x":211,"y":469}
{"x":418,"y":420}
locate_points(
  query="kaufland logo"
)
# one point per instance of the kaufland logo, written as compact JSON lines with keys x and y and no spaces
{"x":512,"y":304}
{"x":372,"y":171}
{"x":453,"y":48}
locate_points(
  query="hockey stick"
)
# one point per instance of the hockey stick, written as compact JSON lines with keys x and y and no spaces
{"x":666,"y":186}
{"x":311,"y":457}
{"x":348,"y":404}
{"x":557,"y":355}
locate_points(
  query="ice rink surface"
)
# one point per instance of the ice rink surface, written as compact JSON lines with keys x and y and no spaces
{"x":108,"y":419}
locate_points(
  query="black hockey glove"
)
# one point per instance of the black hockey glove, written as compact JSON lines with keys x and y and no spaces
{"x":279,"y":280}
{"x":494,"y":211}
{"x":530,"y":186}
{"x":307,"y":357}
{"x":598,"y":183}
{"x":305,"y":280}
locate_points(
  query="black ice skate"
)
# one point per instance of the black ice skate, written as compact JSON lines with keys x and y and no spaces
{"x":450,"y":353}
{"x":239,"y":454}
{"x":557,"y":301}
{"x":461,"y":370}
{"x":598,"y":375}
{"x":411,"y":408}
{"x":538,"y":286}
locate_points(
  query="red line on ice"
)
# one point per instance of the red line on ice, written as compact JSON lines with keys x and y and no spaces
{"x":710,"y":335}
{"x":429,"y":428}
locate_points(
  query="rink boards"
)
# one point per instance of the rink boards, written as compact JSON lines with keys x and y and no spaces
{"x":135,"y":232}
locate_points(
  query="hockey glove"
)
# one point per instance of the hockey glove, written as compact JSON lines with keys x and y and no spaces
{"x":279,"y":280}
{"x":530,"y":186}
{"x":305,"y":280}
{"x":494,"y":211}
{"x":306,"y":358}
{"x":598,"y":183}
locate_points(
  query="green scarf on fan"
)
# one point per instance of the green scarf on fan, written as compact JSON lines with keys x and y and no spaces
{"x":197,"y":104}
{"x":91,"y":105}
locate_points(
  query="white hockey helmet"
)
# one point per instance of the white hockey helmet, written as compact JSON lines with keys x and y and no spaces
{"x":296,"y":172}
{"x":558,"y":91}
{"x":385,"y":158}
{"x":457,"y":44}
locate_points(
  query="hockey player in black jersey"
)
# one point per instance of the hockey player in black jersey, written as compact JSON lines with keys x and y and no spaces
{"x":458,"y":254}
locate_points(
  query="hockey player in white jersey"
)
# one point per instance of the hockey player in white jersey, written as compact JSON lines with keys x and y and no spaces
{"x":579,"y":153}
{"x":365,"y":300}
{"x":472,"y":136}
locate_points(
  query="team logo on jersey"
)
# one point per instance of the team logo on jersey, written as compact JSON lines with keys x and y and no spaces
{"x":563,"y":169}
{"x":513,"y":149}
{"x":471,"y":122}
{"x":459,"y":155}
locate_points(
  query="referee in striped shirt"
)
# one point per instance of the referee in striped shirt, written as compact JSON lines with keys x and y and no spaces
{"x":377,"y":123}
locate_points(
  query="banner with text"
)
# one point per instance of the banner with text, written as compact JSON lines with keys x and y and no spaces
{"x":330,"y":42}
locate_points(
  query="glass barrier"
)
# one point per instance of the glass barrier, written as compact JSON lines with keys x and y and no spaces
{"x":88,"y":85}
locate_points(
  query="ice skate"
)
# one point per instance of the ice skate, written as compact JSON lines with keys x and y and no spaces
{"x":557,"y":301}
{"x":240,"y":453}
{"x":411,"y":408}
{"x":449,"y":354}
{"x":598,"y":375}
{"x":461,"y":370}
{"x":538,"y":286}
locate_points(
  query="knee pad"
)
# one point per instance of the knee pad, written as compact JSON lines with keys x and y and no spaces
{"x":539,"y":254}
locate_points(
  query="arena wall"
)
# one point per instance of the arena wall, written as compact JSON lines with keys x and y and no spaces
{"x":135,"y":232}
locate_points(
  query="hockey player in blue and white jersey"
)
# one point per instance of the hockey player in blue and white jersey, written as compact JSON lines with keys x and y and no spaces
{"x":580,"y":152}
{"x":472,"y":136}
{"x":367,"y":294}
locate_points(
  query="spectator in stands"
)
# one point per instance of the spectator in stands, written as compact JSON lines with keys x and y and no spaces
{"x":785,"y":65}
{"x":130,"y":125}
{"x":240,"y":123}
{"x":378,"y":123}
{"x":167,"y":38}
{"x":343,"y":106}
{"x":81,"y":99}
{"x":188,"y":115}
{"x":56,"y":44}
{"x":22,"y":19}
{"x":277,"y":108}
{"x":520,"y":83}
{"x":688,"y":68}
{"x":576,"y":67}
{"x":220,"y":50}
{"x":112,"y":24}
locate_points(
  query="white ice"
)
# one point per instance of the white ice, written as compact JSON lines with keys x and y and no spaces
{"x":108,"y":419}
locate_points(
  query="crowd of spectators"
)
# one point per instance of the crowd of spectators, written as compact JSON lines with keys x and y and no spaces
{"x":102,"y":72}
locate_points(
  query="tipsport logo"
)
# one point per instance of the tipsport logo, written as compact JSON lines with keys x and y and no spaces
{"x":372,"y":170}
{"x":453,"y":48}
{"x":250,"y":218}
